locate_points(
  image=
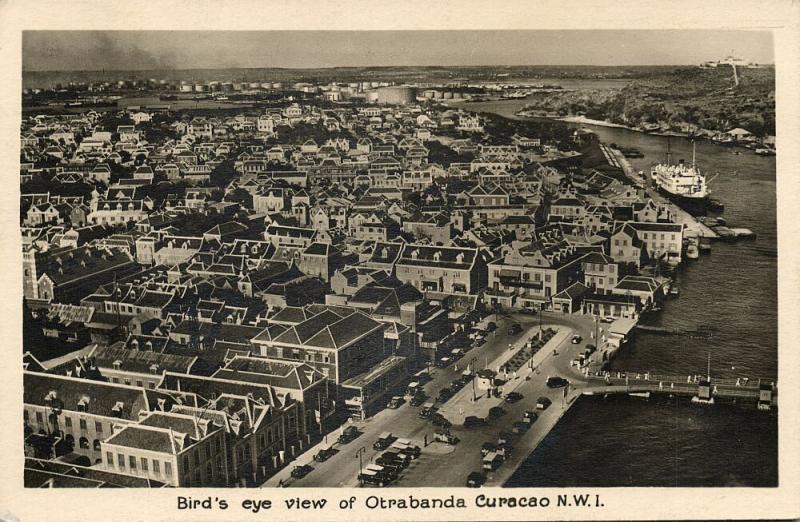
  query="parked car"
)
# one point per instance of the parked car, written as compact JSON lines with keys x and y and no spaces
{"x":576,"y":339}
{"x":492,"y":461}
{"x":504,"y":437}
{"x":446,"y":437}
{"x":556,"y":382}
{"x":301,"y":471}
{"x":427,"y":409}
{"x":444,"y":394}
{"x":442,"y":362}
{"x":515,"y":329}
{"x":529,"y":417}
{"x":491,"y":326}
{"x":373,"y":478}
{"x":324,"y":454}
{"x":437,"y":419}
{"x":542,"y":403}
{"x":418,"y":399}
{"x":475,"y":479}
{"x":528,"y":310}
{"x":472,"y":421}
{"x":456,"y":384}
{"x":395,"y":402}
{"x":349,"y":433}
{"x":520,"y":427}
{"x":394,"y":458}
{"x":405,"y":447}
{"x":384,"y":441}
{"x":496,"y":412}
{"x":488,"y":447}
{"x":513,"y":397}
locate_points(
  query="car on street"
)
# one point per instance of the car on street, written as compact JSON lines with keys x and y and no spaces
{"x":491,"y":326}
{"x":496,"y":412}
{"x":437,"y":419}
{"x":384,"y":441}
{"x":471,"y":421}
{"x":488,"y":447}
{"x":528,"y":310}
{"x":556,"y":382}
{"x":393,"y":458}
{"x":301,"y":471}
{"x":446,"y":437}
{"x":444,"y":394}
{"x":427,"y":409}
{"x":442,"y":362}
{"x":405,"y":447}
{"x":520,"y":427}
{"x":373,"y":478}
{"x":395,"y":402}
{"x":475,"y":479}
{"x":513,"y":397}
{"x":324,"y":454}
{"x":515,"y":329}
{"x":456,"y":384}
{"x":504,"y":437}
{"x":349,"y":433}
{"x":542,"y":403}
{"x":418,"y":399}
{"x":576,"y":339}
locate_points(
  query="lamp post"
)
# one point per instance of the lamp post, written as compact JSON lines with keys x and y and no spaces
{"x":359,"y":454}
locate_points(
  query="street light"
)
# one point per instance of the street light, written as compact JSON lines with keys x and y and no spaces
{"x":358,"y":454}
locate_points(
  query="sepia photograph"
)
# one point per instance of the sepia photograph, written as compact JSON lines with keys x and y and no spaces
{"x":502,"y":259}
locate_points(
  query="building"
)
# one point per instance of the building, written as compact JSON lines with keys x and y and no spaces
{"x":450,"y":270}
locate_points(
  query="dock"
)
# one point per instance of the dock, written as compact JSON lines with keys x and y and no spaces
{"x":692,"y":227}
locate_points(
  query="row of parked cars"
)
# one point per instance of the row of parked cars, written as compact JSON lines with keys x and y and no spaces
{"x":388,"y":466}
{"x":494,"y":453}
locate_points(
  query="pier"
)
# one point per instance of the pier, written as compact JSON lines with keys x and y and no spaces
{"x":692,"y":227}
{"x":704,"y":389}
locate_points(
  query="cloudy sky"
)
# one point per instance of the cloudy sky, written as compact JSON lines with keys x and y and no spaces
{"x":126,"y":50}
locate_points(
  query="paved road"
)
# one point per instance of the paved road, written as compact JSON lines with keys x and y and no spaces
{"x":441,"y":465}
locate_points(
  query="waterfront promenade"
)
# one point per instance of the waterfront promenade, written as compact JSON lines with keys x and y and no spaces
{"x":441,"y":465}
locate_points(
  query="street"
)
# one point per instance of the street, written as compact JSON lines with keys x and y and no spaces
{"x":443,"y":465}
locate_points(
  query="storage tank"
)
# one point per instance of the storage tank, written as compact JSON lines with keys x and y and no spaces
{"x":399,"y":95}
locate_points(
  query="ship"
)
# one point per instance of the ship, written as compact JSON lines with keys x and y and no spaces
{"x":683,"y":184}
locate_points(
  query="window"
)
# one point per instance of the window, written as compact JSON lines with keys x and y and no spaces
{"x":82,"y":424}
{"x":132,"y":461}
{"x":68,"y":422}
{"x":139,"y":384}
{"x":144,"y":464}
{"x":39,"y":417}
{"x":84,"y":443}
{"x":96,"y":445}
{"x":98,"y":427}
{"x":121,"y":460}
{"x":25,"y":415}
{"x":185,"y":462}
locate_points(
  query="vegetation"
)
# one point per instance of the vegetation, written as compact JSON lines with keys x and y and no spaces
{"x":684,"y":99}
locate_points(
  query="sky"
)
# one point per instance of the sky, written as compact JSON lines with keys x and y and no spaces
{"x":136,"y":50}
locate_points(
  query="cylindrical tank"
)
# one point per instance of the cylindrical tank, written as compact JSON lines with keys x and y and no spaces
{"x":398,"y":95}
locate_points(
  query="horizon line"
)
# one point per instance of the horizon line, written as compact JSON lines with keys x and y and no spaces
{"x":332,"y":67}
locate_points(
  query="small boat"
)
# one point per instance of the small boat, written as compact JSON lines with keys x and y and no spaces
{"x":692,"y":252}
{"x":705,"y":245}
{"x":674,"y":291}
{"x":715,"y":205}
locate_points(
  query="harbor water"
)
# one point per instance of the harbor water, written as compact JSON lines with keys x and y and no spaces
{"x":727,"y":309}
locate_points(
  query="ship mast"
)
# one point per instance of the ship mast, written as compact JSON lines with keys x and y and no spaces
{"x":668,"y":150}
{"x":693,"y":155}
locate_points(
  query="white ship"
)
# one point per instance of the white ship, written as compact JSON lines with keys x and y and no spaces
{"x":684,"y":184}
